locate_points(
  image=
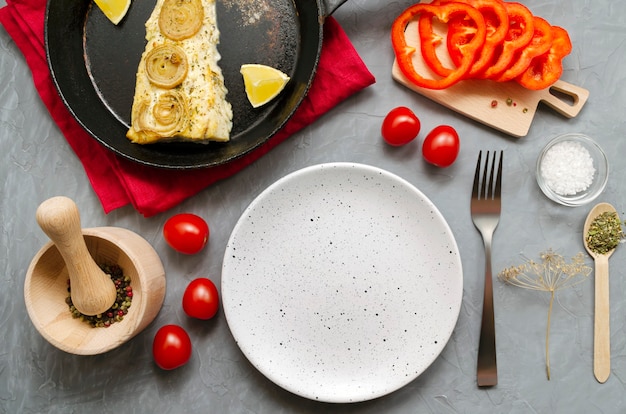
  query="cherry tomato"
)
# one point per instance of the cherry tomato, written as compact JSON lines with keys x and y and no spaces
{"x":201,"y":299}
{"x":186,"y":233}
{"x":400,"y":126}
{"x":441,"y":146}
{"x":171,"y":347}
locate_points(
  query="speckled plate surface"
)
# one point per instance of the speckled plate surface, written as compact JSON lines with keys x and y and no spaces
{"x":342,"y":282}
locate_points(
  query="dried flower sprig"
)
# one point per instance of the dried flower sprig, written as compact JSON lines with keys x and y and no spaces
{"x":552,"y":274}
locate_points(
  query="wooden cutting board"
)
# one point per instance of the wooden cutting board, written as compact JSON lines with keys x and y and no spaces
{"x":515,"y":106}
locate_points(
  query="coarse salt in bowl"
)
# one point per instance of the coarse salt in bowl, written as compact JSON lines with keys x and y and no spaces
{"x":572,"y":170}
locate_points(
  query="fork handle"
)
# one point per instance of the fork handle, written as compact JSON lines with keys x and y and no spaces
{"x":487,"y":371}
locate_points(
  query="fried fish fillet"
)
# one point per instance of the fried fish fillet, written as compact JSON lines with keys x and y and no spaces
{"x":180,"y":93}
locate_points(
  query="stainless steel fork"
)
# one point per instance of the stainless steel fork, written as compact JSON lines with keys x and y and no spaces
{"x":485,"y":209}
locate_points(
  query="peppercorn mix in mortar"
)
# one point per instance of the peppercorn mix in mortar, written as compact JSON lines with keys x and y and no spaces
{"x":120,"y":307}
{"x":180,"y":93}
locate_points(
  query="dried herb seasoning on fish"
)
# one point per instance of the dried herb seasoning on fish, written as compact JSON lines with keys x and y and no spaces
{"x":605,"y":233}
{"x":118,"y":310}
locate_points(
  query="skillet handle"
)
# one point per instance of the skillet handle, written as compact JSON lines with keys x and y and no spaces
{"x":330,"y":6}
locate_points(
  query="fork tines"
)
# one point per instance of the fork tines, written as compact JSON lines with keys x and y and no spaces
{"x":487,"y":191}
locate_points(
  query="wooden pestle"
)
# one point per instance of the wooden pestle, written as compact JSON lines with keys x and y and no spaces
{"x":92,"y":291}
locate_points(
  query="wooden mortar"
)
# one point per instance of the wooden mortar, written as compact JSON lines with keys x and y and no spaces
{"x":45,"y":291}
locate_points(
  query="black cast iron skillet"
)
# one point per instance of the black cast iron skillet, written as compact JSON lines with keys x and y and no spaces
{"x":93,"y":65}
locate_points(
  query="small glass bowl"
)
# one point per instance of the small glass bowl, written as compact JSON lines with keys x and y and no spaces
{"x":600,"y":177}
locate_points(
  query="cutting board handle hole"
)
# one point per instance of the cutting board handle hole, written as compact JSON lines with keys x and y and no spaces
{"x":566,"y":97}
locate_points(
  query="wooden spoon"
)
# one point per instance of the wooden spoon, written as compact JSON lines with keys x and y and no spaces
{"x":601,"y":333}
{"x":93,"y":292}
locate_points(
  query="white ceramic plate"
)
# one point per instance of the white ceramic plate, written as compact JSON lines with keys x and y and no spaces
{"x":342,"y":282}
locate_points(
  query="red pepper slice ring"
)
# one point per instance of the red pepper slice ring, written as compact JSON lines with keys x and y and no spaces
{"x":497,"y":25}
{"x":429,"y":42}
{"x":540,"y":44}
{"x":546,"y":69}
{"x":520,"y":33}
{"x":460,"y":32}
{"x":444,"y":12}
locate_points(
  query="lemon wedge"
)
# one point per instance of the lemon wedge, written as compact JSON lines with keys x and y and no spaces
{"x":263,"y":83}
{"x":114,"y":10}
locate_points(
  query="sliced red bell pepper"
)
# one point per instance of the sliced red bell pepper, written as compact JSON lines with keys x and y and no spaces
{"x":497,"y":23}
{"x":540,"y":44}
{"x":520,"y":33}
{"x":444,"y":12}
{"x":430,"y":41}
{"x":546,"y":69}
{"x":460,"y":32}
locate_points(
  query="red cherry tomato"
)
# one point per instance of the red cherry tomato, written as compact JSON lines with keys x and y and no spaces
{"x":201,"y":299}
{"x":186,"y":233}
{"x":400,"y":126}
{"x":171,"y":347}
{"x":441,"y":146}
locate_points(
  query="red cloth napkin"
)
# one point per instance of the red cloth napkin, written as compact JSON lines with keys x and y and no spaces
{"x":118,"y":181}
